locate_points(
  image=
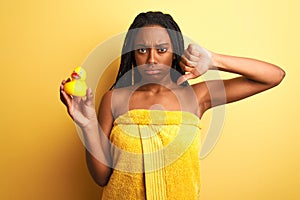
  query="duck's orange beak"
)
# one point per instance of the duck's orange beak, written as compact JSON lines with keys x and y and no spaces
{"x":75,"y":75}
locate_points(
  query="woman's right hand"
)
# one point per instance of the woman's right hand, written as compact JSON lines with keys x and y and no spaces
{"x":81,"y":109}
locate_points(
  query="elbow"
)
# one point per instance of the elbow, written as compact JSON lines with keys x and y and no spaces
{"x":100,"y":176}
{"x":101,"y":183}
{"x":99,"y":172}
{"x":279,"y":76}
{"x":282,"y":74}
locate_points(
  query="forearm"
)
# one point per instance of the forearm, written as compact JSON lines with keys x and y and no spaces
{"x":97,"y":153}
{"x":255,"y":70}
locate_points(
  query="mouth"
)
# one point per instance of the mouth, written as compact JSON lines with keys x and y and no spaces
{"x":152,"y":71}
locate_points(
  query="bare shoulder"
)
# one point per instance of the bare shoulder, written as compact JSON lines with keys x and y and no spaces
{"x":111,"y":106}
{"x":119,"y":100}
{"x":106,"y":99}
{"x":113,"y":96}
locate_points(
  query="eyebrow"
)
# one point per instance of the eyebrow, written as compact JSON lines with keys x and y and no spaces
{"x":157,"y":45}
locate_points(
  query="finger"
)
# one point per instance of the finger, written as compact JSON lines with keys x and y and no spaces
{"x":77,"y":99}
{"x":65,"y":98}
{"x":194,"y":49}
{"x":65,"y":81}
{"x":185,"y":68}
{"x":89,"y":97}
{"x":61,"y":89}
{"x":185,"y":77}
{"x":187,"y":62}
{"x":189,"y":69}
{"x":190,"y":56}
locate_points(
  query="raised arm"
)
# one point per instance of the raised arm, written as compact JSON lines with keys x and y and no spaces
{"x":255,"y":76}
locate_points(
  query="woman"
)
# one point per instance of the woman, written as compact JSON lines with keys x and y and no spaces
{"x":145,"y":142}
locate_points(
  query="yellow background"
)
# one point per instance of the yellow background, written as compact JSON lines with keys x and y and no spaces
{"x":42,"y":157}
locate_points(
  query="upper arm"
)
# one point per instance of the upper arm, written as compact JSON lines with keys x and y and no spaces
{"x":105,"y":115}
{"x":99,"y":159}
{"x":217,"y":92}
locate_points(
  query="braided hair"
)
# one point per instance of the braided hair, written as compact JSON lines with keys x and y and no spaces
{"x":128,"y":59}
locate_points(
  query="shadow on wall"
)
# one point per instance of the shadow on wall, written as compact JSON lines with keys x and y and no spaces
{"x":106,"y":81}
{"x":77,"y":184}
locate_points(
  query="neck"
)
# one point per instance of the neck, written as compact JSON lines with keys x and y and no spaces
{"x":156,"y":87}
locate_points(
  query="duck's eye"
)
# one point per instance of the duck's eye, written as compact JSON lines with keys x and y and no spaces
{"x":142,"y":50}
{"x":162,"y":49}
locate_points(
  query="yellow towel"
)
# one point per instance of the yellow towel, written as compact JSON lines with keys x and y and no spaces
{"x":155,"y":155}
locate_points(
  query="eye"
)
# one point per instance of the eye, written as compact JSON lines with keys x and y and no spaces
{"x":142,"y":50}
{"x":162,"y":49}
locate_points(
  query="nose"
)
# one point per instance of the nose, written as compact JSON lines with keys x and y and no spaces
{"x":151,"y":56}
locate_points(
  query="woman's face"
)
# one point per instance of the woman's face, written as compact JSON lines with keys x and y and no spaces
{"x":153,"y":53}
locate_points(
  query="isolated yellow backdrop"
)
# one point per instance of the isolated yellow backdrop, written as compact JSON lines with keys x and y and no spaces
{"x":41,"y":155}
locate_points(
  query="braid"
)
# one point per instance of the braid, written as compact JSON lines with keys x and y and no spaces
{"x":128,"y":59}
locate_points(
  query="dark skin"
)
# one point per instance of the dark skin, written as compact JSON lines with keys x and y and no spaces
{"x":157,"y":91}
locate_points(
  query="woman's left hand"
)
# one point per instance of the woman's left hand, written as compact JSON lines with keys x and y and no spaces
{"x":195,"y":60}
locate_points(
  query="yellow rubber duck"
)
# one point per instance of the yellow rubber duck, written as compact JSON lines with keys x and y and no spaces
{"x":77,"y":86}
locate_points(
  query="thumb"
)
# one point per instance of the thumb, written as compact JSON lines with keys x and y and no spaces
{"x":185,"y":77}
